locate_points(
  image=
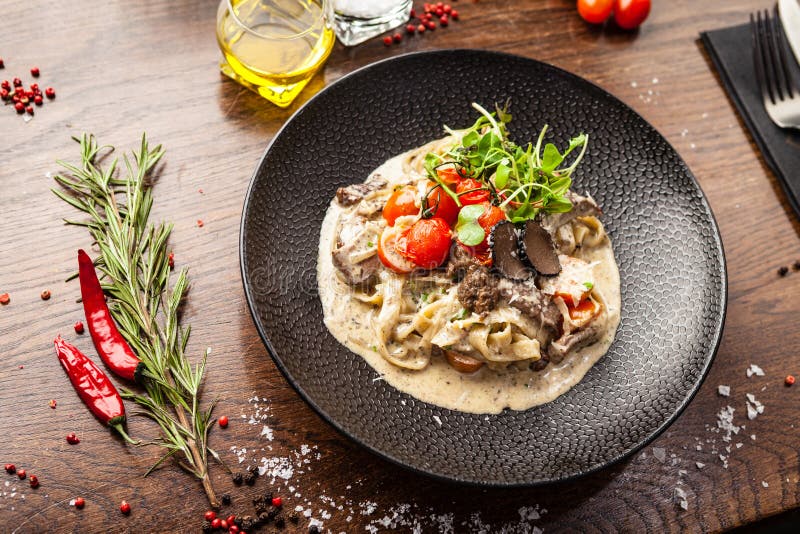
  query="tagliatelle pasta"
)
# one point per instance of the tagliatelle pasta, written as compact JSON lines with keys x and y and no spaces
{"x":536,"y":340}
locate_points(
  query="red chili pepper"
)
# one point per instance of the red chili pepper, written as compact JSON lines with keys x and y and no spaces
{"x":110,"y":345}
{"x":93,"y":386}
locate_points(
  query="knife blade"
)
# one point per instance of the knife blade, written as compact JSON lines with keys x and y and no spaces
{"x":789,"y":11}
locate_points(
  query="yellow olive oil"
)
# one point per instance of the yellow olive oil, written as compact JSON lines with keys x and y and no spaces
{"x":273,"y":47}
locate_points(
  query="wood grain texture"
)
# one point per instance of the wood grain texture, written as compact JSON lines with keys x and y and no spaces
{"x":121,"y":68}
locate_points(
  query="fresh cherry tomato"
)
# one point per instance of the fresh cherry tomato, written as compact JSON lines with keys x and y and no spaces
{"x":428,"y":242}
{"x":473,"y":197}
{"x":441,"y":205}
{"x":391,"y":242}
{"x":402,"y":202}
{"x":629,"y":14}
{"x":595,"y":11}
{"x":449,"y":175}
{"x":490,"y":217}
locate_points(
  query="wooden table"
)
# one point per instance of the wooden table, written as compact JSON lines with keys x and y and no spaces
{"x":121,"y":68}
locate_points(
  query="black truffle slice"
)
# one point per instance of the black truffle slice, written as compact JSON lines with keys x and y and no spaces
{"x":537,"y":248}
{"x":505,"y":252}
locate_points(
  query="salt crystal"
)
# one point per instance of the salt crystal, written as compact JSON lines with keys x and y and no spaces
{"x":681,"y":472}
{"x":753,"y":437}
{"x":754,"y":370}
{"x":634,"y":84}
{"x":655,"y":80}
{"x":660,"y":454}
{"x":267,"y":432}
{"x":680,"y":498}
{"x":739,"y":445}
{"x":684,"y":132}
{"x":692,"y":146}
{"x":764,"y":483}
{"x":699,"y":447}
{"x":724,"y":390}
{"x":704,"y":115}
{"x":700,"y":465}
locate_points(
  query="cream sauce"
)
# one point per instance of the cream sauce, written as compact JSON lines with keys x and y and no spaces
{"x":486,"y":391}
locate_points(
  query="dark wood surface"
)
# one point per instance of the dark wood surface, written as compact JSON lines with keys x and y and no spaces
{"x":121,"y":68}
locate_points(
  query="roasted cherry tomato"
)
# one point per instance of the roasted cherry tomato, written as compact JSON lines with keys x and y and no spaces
{"x":491,"y":216}
{"x":402,"y":202}
{"x":595,"y":11}
{"x":629,"y":14}
{"x":441,"y":205}
{"x":584,"y":312}
{"x":390,"y":245}
{"x":449,"y":175}
{"x":427,"y":242}
{"x":477,"y":192}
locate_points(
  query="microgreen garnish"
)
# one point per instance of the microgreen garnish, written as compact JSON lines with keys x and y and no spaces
{"x":462,"y":314}
{"x":523,"y":180}
{"x":469,"y":232}
{"x":588,"y":285}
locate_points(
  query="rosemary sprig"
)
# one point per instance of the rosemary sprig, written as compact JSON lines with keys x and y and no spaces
{"x":135,"y":264}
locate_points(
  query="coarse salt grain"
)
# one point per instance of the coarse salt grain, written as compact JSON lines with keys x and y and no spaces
{"x":724,"y":391}
{"x":754,"y":370}
{"x":660,"y":454}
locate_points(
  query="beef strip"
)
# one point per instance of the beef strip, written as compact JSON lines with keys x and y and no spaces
{"x":528,"y":299}
{"x":458,"y":263}
{"x":581,"y":207}
{"x":569,"y":341}
{"x":354,"y":254}
{"x":352,"y":194}
{"x":478,"y":291}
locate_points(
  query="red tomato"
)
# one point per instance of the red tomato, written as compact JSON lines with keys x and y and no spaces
{"x":402,"y":202}
{"x":473,"y":197}
{"x":449,"y":175}
{"x":490,"y":217}
{"x":390,"y":244}
{"x":428,"y":243}
{"x":629,"y":14}
{"x":441,"y":204}
{"x":595,"y":11}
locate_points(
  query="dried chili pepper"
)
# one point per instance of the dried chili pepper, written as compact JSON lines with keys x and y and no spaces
{"x":110,"y":345}
{"x":93,"y":387}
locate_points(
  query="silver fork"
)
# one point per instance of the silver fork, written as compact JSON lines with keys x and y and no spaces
{"x":781,"y":97}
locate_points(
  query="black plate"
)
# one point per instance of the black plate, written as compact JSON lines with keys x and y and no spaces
{"x":665,"y":238}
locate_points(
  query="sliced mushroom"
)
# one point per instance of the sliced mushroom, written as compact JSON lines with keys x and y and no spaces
{"x":462,"y":363}
{"x":538,"y":249}
{"x":504,"y":243}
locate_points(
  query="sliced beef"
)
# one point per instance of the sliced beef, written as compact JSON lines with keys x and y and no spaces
{"x":352,"y":194}
{"x":355,"y":255}
{"x":528,"y":299}
{"x":569,"y":341}
{"x":581,"y":207}
{"x":478,"y":291}
{"x":460,"y":260}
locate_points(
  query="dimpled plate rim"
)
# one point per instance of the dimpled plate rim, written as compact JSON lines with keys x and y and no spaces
{"x":454,"y":54}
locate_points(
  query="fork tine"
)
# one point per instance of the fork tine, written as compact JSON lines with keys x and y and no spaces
{"x":762,"y":56}
{"x":778,"y":40}
{"x":758,"y":58}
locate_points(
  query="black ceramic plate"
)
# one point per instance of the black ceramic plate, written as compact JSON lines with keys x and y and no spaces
{"x":664,"y":236}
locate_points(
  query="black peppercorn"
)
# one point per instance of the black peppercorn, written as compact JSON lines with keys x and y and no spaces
{"x":226,"y":498}
{"x":280,"y":522}
{"x":294,"y":518}
{"x":783,"y":270}
{"x":254,"y":470}
{"x":250,"y":479}
{"x":268,"y":497}
{"x":796,"y":265}
{"x":206,"y":526}
{"x":238,"y":479}
{"x":313,"y":529}
{"x":246,"y":523}
{"x":264,"y":517}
